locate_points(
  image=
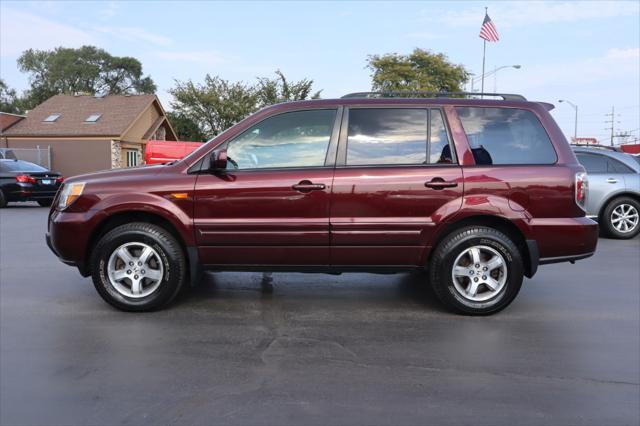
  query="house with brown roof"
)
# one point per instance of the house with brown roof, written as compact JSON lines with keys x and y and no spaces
{"x":90,"y":133}
{"x":7,"y":120}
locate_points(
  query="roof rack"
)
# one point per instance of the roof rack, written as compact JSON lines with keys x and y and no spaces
{"x":409,"y":93}
{"x":596,"y":146}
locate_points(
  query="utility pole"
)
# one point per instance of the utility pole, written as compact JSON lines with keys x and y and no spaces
{"x":612,"y":121}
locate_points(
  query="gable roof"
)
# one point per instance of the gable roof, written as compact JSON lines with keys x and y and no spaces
{"x":118,"y":112}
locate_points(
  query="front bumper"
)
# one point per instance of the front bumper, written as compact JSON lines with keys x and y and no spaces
{"x":68,"y":235}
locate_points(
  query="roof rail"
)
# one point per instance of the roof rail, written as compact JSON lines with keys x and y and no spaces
{"x":409,"y":93}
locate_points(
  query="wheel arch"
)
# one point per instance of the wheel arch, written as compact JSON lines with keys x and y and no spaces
{"x":128,"y":216}
{"x":611,"y":197}
{"x":502,"y":224}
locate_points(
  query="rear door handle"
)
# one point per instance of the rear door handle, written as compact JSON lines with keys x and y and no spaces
{"x":439,"y":183}
{"x":308,"y":186}
{"x":612,"y":180}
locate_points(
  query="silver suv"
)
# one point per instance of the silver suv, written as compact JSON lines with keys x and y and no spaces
{"x":614,"y":190}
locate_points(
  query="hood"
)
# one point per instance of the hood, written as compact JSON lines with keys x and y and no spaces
{"x":117,"y":174}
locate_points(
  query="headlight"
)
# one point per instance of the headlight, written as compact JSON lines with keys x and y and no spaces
{"x":70,"y":193}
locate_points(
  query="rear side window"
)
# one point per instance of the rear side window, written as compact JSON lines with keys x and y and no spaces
{"x":504,"y":136}
{"x":379,"y":136}
{"x":594,"y":163}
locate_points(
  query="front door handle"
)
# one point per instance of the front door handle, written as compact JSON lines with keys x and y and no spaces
{"x":439,"y":183}
{"x":612,"y":180}
{"x":308,"y":186}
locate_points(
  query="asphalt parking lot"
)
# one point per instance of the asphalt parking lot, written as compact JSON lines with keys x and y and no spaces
{"x":319,"y":349}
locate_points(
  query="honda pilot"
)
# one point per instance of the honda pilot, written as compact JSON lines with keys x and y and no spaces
{"x":476,"y":191}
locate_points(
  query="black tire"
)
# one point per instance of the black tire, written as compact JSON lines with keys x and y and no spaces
{"x":457,"y":243}
{"x":169,"y":251}
{"x":606,"y":220}
{"x":3,"y":200}
{"x":45,"y":203}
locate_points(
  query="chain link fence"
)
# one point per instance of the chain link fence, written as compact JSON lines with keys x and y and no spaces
{"x":38,"y":155}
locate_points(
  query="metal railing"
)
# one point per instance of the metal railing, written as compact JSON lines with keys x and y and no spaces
{"x":38,"y":155}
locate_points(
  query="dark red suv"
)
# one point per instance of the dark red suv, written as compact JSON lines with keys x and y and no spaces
{"x":478,"y":192}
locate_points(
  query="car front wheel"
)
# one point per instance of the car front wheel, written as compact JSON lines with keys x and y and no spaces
{"x":138,"y":267}
{"x":621,"y":218}
{"x":476,"y":270}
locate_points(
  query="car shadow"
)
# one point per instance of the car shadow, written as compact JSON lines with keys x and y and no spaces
{"x":385,"y":291}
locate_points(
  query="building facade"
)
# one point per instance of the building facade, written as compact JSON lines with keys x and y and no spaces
{"x":91,"y":133}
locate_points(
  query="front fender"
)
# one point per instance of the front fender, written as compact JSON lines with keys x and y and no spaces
{"x":175,"y":211}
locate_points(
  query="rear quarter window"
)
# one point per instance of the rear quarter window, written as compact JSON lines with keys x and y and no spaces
{"x":503,"y":136}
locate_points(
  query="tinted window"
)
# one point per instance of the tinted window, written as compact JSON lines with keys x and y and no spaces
{"x":387,"y":136}
{"x":615,"y":166}
{"x":293,"y":139}
{"x":593,"y":163}
{"x":440,"y":150}
{"x":20,"y":166}
{"x":506,"y":136}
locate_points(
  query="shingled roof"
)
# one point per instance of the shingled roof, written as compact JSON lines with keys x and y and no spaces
{"x":117,"y":113}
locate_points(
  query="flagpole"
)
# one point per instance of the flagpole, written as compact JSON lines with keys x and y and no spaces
{"x":484,"y":53}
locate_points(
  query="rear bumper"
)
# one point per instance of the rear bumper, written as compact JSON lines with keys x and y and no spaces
{"x":565,"y":239}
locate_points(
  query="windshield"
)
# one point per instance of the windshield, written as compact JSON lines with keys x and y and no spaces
{"x":21,"y":166}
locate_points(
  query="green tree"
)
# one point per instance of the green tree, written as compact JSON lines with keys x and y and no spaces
{"x":279,"y":89}
{"x":215,"y":105}
{"x":218,"y":104}
{"x":421,"y":70}
{"x":186,"y":129}
{"x":87,"y":69}
{"x":9,"y":101}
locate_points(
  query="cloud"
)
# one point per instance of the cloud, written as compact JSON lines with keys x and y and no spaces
{"x":631,"y":53}
{"x":425,"y":35}
{"x":200,"y":57}
{"x":21,"y":31}
{"x":525,"y":13}
{"x":110,"y":11}
{"x":135,"y":34}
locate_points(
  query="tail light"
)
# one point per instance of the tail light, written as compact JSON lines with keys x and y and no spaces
{"x":25,"y":179}
{"x":60,"y":179}
{"x":582,"y":189}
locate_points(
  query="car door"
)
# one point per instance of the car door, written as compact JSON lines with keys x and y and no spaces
{"x":604,"y":179}
{"x":271,"y":206}
{"x":390,"y":186}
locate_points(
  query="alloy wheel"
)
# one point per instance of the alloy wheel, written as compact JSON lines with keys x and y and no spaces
{"x":135,"y":270}
{"x":624,"y":218}
{"x":479,"y":273}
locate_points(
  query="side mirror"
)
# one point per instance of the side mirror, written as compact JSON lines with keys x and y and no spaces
{"x":218,"y":161}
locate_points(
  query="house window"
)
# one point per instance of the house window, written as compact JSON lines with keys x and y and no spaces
{"x":51,"y":118}
{"x":93,"y":118}
{"x":132,"y":158}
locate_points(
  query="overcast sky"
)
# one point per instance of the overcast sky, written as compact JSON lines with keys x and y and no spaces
{"x":587,"y":52}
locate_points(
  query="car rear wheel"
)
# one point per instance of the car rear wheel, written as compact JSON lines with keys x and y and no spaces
{"x":3,"y":200}
{"x":45,"y":203}
{"x":138,"y":267}
{"x":621,"y":218}
{"x":476,"y":271}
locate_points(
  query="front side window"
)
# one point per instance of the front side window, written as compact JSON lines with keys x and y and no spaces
{"x":292,"y":139}
{"x":504,"y":136}
{"x":379,"y":136}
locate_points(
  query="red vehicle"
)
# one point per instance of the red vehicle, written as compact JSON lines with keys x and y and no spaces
{"x":478,"y":192}
{"x":160,"y":152}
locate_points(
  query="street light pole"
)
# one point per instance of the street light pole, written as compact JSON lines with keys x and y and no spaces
{"x":575,"y":125}
{"x":490,"y":73}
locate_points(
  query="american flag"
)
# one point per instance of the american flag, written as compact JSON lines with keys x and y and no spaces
{"x":488,"y":31}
